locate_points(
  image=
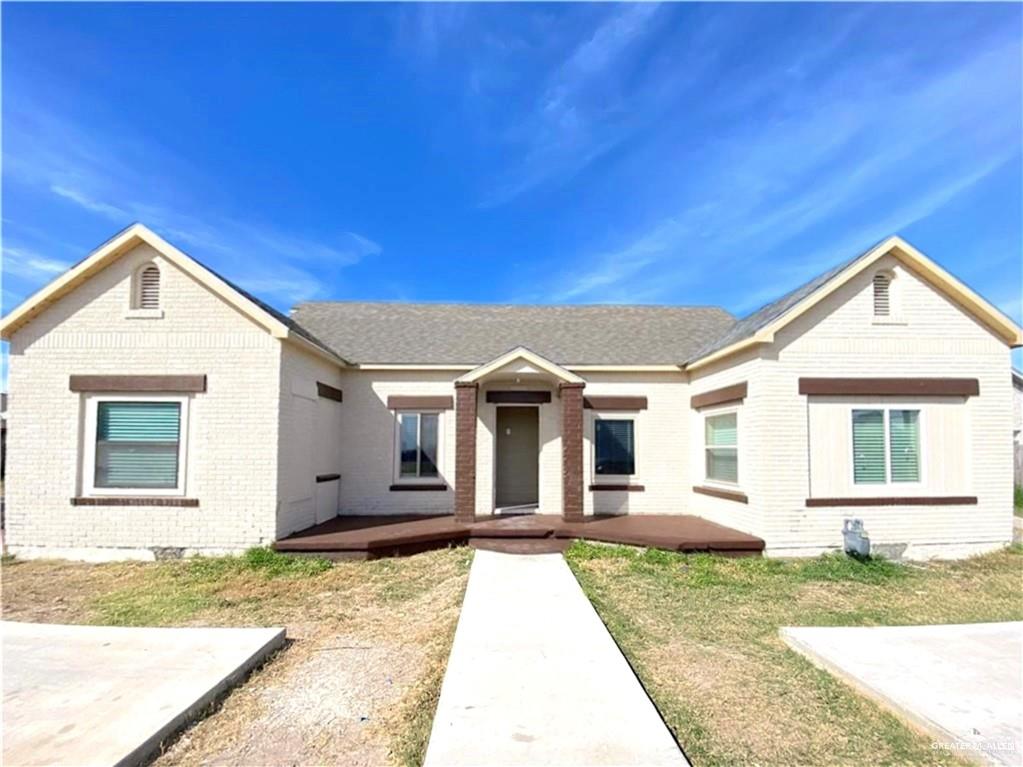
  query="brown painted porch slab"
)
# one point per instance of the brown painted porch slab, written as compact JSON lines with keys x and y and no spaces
{"x":395,"y":535}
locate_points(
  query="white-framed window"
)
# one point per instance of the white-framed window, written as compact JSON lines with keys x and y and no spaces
{"x":135,"y":445}
{"x":418,"y":446}
{"x":886,"y":445}
{"x":721,"y":447}
{"x":614,"y":446}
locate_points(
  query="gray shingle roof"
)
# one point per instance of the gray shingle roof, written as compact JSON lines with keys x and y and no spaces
{"x":766,"y":314}
{"x":398,"y":333}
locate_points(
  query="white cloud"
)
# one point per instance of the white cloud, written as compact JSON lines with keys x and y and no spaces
{"x":578,"y":115}
{"x":106,"y":178}
{"x":865,"y":135}
{"x":77,"y":197}
{"x":30,"y":265}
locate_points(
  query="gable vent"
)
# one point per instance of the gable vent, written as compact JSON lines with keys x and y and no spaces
{"x":149,"y":288}
{"x":882,"y":295}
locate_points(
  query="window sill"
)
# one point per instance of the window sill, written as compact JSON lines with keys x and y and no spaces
{"x":608,"y":486}
{"x":133,"y":500}
{"x":934,"y":500}
{"x":420,"y":488}
{"x":144,"y":314}
{"x":714,"y":492}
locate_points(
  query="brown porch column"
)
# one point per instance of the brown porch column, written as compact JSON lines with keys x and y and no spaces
{"x":571,"y":451}
{"x":465,"y":452}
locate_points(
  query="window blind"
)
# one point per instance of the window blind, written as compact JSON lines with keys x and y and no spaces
{"x":721,"y":436}
{"x":904,"y":441}
{"x":615,"y":446}
{"x":868,"y":447}
{"x":137,"y":444}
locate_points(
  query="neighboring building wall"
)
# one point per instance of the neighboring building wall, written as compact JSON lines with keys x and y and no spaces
{"x":311,"y":441}
{"x":232,"y":435}
{"x":966,"y":444}
{"x":368,"y":434}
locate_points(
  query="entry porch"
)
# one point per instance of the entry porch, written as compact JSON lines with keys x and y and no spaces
{"x":371,"y":537}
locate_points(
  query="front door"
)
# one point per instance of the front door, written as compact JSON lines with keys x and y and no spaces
{"x":518,"y":451}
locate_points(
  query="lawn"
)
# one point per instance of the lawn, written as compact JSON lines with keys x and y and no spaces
{"x":358,"y":682}
{"x":702,"y":633}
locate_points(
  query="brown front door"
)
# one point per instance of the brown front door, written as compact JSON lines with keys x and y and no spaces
{"x":518,"y":453}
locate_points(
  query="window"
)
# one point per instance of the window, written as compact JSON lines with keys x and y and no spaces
{"x":135,"y":446}
{"x":417,"y":445}
{"x":882,"y":294}
{"x":877,"y":460}
{"x":721,"y":444}
{"x":614,"y":447}
{"x":146,"y":291}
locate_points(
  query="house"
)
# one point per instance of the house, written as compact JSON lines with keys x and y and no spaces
{"x":156,"y":407}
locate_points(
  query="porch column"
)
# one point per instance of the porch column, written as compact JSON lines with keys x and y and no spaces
{"x":571,"y":451}
{"x":465,"y":452}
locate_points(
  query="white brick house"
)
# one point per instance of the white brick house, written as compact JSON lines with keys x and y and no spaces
{"x":155,"y":407}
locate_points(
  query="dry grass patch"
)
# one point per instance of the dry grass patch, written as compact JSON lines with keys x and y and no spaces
{"x":702,"y":632}
{"x":358,"y":682}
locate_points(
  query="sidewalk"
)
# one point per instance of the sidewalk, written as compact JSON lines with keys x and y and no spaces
{"x":534,"y":678}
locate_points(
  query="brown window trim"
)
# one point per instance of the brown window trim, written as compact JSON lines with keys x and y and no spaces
{"x":614,"y":402}
{"x":118,"y":500}
{"x":327,"y":477}
{"x":891,"y":387}
{"x":936,"y":500}
{"x":727,"y":495}
{"x":620,"y":488}
{"x":418,"y":488}
{"x":328,"y":392}
{"x":518,"y":397}
{"x":398,"y":402}
{"x":117,"y":384}
{"x":734,"y":393}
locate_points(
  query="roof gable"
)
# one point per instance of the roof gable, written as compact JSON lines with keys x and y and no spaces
{"x":532,"y":362}
{"x":761,"y":326}
{"x":275,"y":323}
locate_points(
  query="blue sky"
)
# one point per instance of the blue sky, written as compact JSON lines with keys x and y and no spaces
{"x":688,"y":153}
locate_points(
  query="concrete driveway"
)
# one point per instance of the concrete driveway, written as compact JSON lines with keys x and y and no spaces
{"x":962,"y":683}
{"x":103,"y":695}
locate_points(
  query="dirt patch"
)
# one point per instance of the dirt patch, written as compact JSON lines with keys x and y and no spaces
{"x":367,"y":643}
{"x":319,"y":704}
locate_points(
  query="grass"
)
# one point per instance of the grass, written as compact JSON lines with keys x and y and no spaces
{"x":1017,"y":500}
{"x":374,"y":635}
{"x":702,"y":633}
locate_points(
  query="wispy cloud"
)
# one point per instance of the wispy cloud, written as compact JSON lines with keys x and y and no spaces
{"x":30,"y":265}
{"x":859,"y":133}
{"x":101,"y":178}
{"x":579,"y":113}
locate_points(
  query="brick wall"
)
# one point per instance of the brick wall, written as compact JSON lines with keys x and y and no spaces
{"x":232,"y":450}
{"x":465,"y":450}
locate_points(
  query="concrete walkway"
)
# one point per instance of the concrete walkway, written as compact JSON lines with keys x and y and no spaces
{"x":962,"y":683}
{"x":104,"y":695}
{"x":534,"y":678}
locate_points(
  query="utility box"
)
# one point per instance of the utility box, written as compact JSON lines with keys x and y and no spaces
{"x":857,"y":542}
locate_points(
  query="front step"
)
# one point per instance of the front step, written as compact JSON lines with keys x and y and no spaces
{"x":521,"y":545}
